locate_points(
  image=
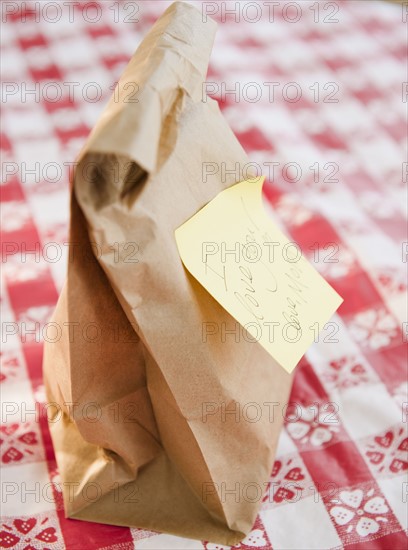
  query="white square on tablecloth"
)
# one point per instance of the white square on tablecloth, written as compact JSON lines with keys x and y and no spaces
{"x":312,"y":528}
{"x":364,"y":413}
{"x":18,"y":405}
{"x":285,"y":444}
{"x":169,"y":542}
{"x":395,"y":490}
{"x":31,"y":486}
{"x":30,"y":122}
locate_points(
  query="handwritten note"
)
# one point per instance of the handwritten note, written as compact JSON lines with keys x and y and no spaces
{"x":257,"y":274}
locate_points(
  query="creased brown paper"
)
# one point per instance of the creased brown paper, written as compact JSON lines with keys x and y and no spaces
{"x":157,"y":428}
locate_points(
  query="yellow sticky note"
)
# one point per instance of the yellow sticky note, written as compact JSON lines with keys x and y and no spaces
{"x":257,"y":274}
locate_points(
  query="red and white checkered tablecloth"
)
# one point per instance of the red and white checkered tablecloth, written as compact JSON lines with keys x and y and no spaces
{"x":315,"y":93}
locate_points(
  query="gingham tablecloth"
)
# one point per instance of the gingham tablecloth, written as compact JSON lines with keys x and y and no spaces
{"x":321,"y":94}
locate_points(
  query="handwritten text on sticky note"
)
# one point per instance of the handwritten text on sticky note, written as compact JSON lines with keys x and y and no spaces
{"x":245,"y":262}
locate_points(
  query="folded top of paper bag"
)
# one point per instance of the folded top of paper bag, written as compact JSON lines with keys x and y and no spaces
{"x":173,"y":56}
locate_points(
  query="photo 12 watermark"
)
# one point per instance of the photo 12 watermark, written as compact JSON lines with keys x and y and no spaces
{"x":70,"y":12}
{"x":53,"y":92}
{"x":36,"y":492}
{"x":253,"y":92}
{"x":89,"y":332}
{"x":52,"y":252}
{"x":269,"y":411}
{"x":289,"y":171}
{"x":89,"y":411}
{"x":289,"y":490}
{"x":253,"y":12}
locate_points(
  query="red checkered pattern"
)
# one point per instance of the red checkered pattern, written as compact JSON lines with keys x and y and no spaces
{"x":339,"y":479}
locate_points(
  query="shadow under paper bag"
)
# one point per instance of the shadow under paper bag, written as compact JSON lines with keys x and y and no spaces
{"x":151,"y":456}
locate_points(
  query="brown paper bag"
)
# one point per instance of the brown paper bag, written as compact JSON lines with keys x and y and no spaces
{"x":151,"y":424}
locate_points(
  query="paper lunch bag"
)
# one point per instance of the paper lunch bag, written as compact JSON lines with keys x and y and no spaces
{"x":148,"y":421}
